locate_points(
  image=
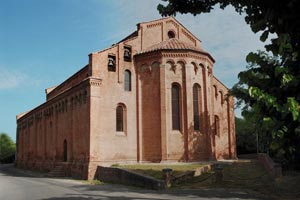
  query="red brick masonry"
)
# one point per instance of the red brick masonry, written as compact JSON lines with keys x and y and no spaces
{"x":152,"y":97}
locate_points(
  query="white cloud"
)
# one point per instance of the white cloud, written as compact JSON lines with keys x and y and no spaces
{"x":13,"y":79}
{"x":228,"y":38}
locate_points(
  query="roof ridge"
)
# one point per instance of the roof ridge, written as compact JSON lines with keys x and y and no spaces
{"x":156,"y":20}
{"x":172,"y":43}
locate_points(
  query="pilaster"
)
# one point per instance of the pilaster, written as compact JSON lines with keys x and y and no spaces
{"x":163,"y":111}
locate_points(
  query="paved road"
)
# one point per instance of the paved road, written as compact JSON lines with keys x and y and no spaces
{"x":17,"y":184}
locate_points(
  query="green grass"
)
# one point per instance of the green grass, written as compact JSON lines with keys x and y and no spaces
{"x":246,"y":175}
{"x":250,"y":175}
{"x":238,"y":174}
{"x":155,"y":170}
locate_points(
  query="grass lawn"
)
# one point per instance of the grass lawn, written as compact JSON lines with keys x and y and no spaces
{"x":243,"y":174}
{"x":237,"y":174}
{"x":155,"y":170}
{"x":250,"y":175}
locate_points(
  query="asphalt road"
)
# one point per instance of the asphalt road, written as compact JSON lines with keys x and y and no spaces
{"x":18,"y":184}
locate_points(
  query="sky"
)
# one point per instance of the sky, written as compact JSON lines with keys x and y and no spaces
{"x":43,"y":42}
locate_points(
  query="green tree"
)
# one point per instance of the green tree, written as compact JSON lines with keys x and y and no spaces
{"x":265,"y":91}
{"x":7,"y":146}
{"x":245,"y":136}
{"x":253,"y":135}
{"x":270,"y":87}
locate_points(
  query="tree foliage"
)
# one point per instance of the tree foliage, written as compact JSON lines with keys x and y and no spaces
{"x":265,"y":88}
{"x":253,"y":135}
{"x":245,"y":136}
{"x":270,"y":86}
{"x":7,"y":146}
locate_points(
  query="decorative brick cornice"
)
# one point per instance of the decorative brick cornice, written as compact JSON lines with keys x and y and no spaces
{"x":197,"y":56}
{"x":154,"y":25}
{"x":172,"y":22}
{"x":181,"y":55}
{"x":158,"y":55}
{"x":95,"y":82}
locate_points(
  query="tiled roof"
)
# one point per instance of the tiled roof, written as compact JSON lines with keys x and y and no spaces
{"x":171,"y":44}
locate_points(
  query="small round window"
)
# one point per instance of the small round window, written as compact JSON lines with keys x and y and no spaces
{"x":171,"y":34}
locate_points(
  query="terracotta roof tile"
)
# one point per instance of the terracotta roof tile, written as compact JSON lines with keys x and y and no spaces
{"x":171,"y":44}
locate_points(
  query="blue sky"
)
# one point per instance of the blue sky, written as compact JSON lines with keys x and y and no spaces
{"x":43,"y":42}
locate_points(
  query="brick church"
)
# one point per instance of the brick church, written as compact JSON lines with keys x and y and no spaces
{"x":152,"y":97}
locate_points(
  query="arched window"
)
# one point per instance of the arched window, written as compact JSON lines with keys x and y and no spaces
{"x":196,"y":106}
{"x":215,"y":91}
{"x":65,"y":151}
{"x":127,"y":82}
{"x":221,"y":97}
{"x":175,"y":107}
{"x":216,"y":125}
{"x":121,"y":118}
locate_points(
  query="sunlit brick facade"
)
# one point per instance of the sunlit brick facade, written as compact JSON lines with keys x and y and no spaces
{"x":152,"y":97}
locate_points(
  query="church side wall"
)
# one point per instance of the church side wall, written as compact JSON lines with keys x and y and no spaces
{"x":231,"y":124}
{"x":41,"y":134}
{"x":198,"y":140}
{"x":109,"y":146}
{"x":224,"y":137}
